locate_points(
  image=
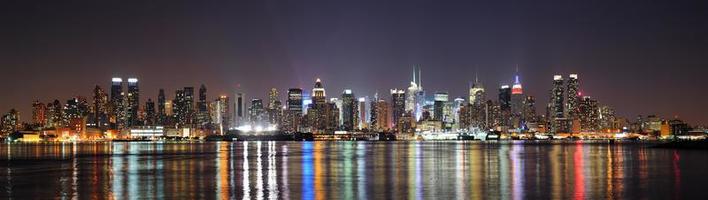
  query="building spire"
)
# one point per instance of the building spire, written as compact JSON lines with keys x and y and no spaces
{"x":420,"y":78}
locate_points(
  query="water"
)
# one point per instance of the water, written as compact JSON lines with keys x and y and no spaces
{"x":350,"y":170}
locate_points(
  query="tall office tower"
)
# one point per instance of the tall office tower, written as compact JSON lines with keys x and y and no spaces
{"x":101,"y":107}
{"x":338,"y":103}
{"x":188,"y":105}
{"x":373,"y":121}
{"x":133,"y":102}
{"x":380,"y":118}
{"x":117,"y":105}
{"x":57,"y":115}
{"x":331,"y":118}
{"x":606,"y":118}
{"x":589,"y":114}
{"x":275,"y":108}
{"x":273,"y":100}
{"x":202,"y":114}
{"x":219,"y":110}
{"x":169,"y":111}
{"x":505,"y":98}
{"x":180,"y":109}
{"x":349,"y":111}
{"x":240,"y":113}
{"x":517,"y":104}
{"x":555,"y":113}
{"x":161,"y":117}
{"x":398,"y":104}
{"x":413,"y":90}
{"x":572,"y":97}
{"x":457,"y":105}
{"x":295,"y":99}
{"x":293,"y":114}
{"x":150,"y":115}
{"x":440,"y":99}
{"x":257,"y":112}
{"x":477,"y":95}
{"x":39,"y":114}
{"x":529,"y":113}
{"x":318,"y":93}
{"x":72,"y":110}
{"x":10,"y":123}
{"x":362,"y":114}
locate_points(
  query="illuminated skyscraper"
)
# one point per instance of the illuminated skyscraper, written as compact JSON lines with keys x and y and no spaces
{"x":183,"y":107}
{"x":441,"y":98}
{"x":133,"y":102}
{"x":414,"y":93}
{"x":202,"y":114}
{"x":476,"y":92}
{"x":363,"y":114}
{"x":161,"y":118}
{"x":275,"y":107}
{"x":589,"y":114}
{"x":10,"y":122}
{"x":257,"y":113}
{"x":517,"y":104}
{"x":117,"y":105}
{"x":240,"y":113}
{"x":555,"y":107}
{"x":572,"y":97}
{"x":349,"y":111}
{"x":319,"y":97}
{"x":101,"y":108}
{"x":505,"y":98}
{"x":398,"y":103}
{"x":293,"y":114}
{"x":150,"y":115}
{"x":39,"y":114}
{"x":220,"y":114}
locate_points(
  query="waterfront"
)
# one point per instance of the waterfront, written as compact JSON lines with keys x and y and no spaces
{"x":350,"y":170}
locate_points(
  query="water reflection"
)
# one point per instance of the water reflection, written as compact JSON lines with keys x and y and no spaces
{"x":349,"y":170}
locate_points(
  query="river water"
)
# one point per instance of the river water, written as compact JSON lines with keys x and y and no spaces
{"x":350,"y":170}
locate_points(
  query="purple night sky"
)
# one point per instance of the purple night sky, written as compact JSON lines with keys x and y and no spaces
{"x":640,"y":57}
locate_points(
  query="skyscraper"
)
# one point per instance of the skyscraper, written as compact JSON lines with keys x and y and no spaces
{"x":398,"y":101}
{"x":588,"y":114}
{"x":257,"y":112}
{"x":161,"y":118}
{"x":220,"y":114}
{"x":275,"y":108}
{"x":517,"y":104}
{"x":117,"y":112}
{"x":413,"y":90}
{"x":202,"y":108}
{"x":319,"y":97}
{"x":363,"y":117}
{"x":133,"y":102}
{"x":39,"y":114}
{"x":441,"y":98}
{"x":101,"y":107}
{"x":240,"y":112}
{"x":349,"y":111}
{"x":380,"y":115}
{"x":293,"y":114}
{"x":572,"y":97}
{"x":505,"y":98}
{"x":10,"y":122}
{"x":555,"y":114}
{"x":476,"y":92}
{"x":295,"y":100}
{"x":150,"y":115}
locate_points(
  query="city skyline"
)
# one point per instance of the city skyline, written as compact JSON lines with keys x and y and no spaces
{"x":649,"y":54}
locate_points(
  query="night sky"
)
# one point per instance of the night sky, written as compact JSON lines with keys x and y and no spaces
{"x":640,"y":57}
